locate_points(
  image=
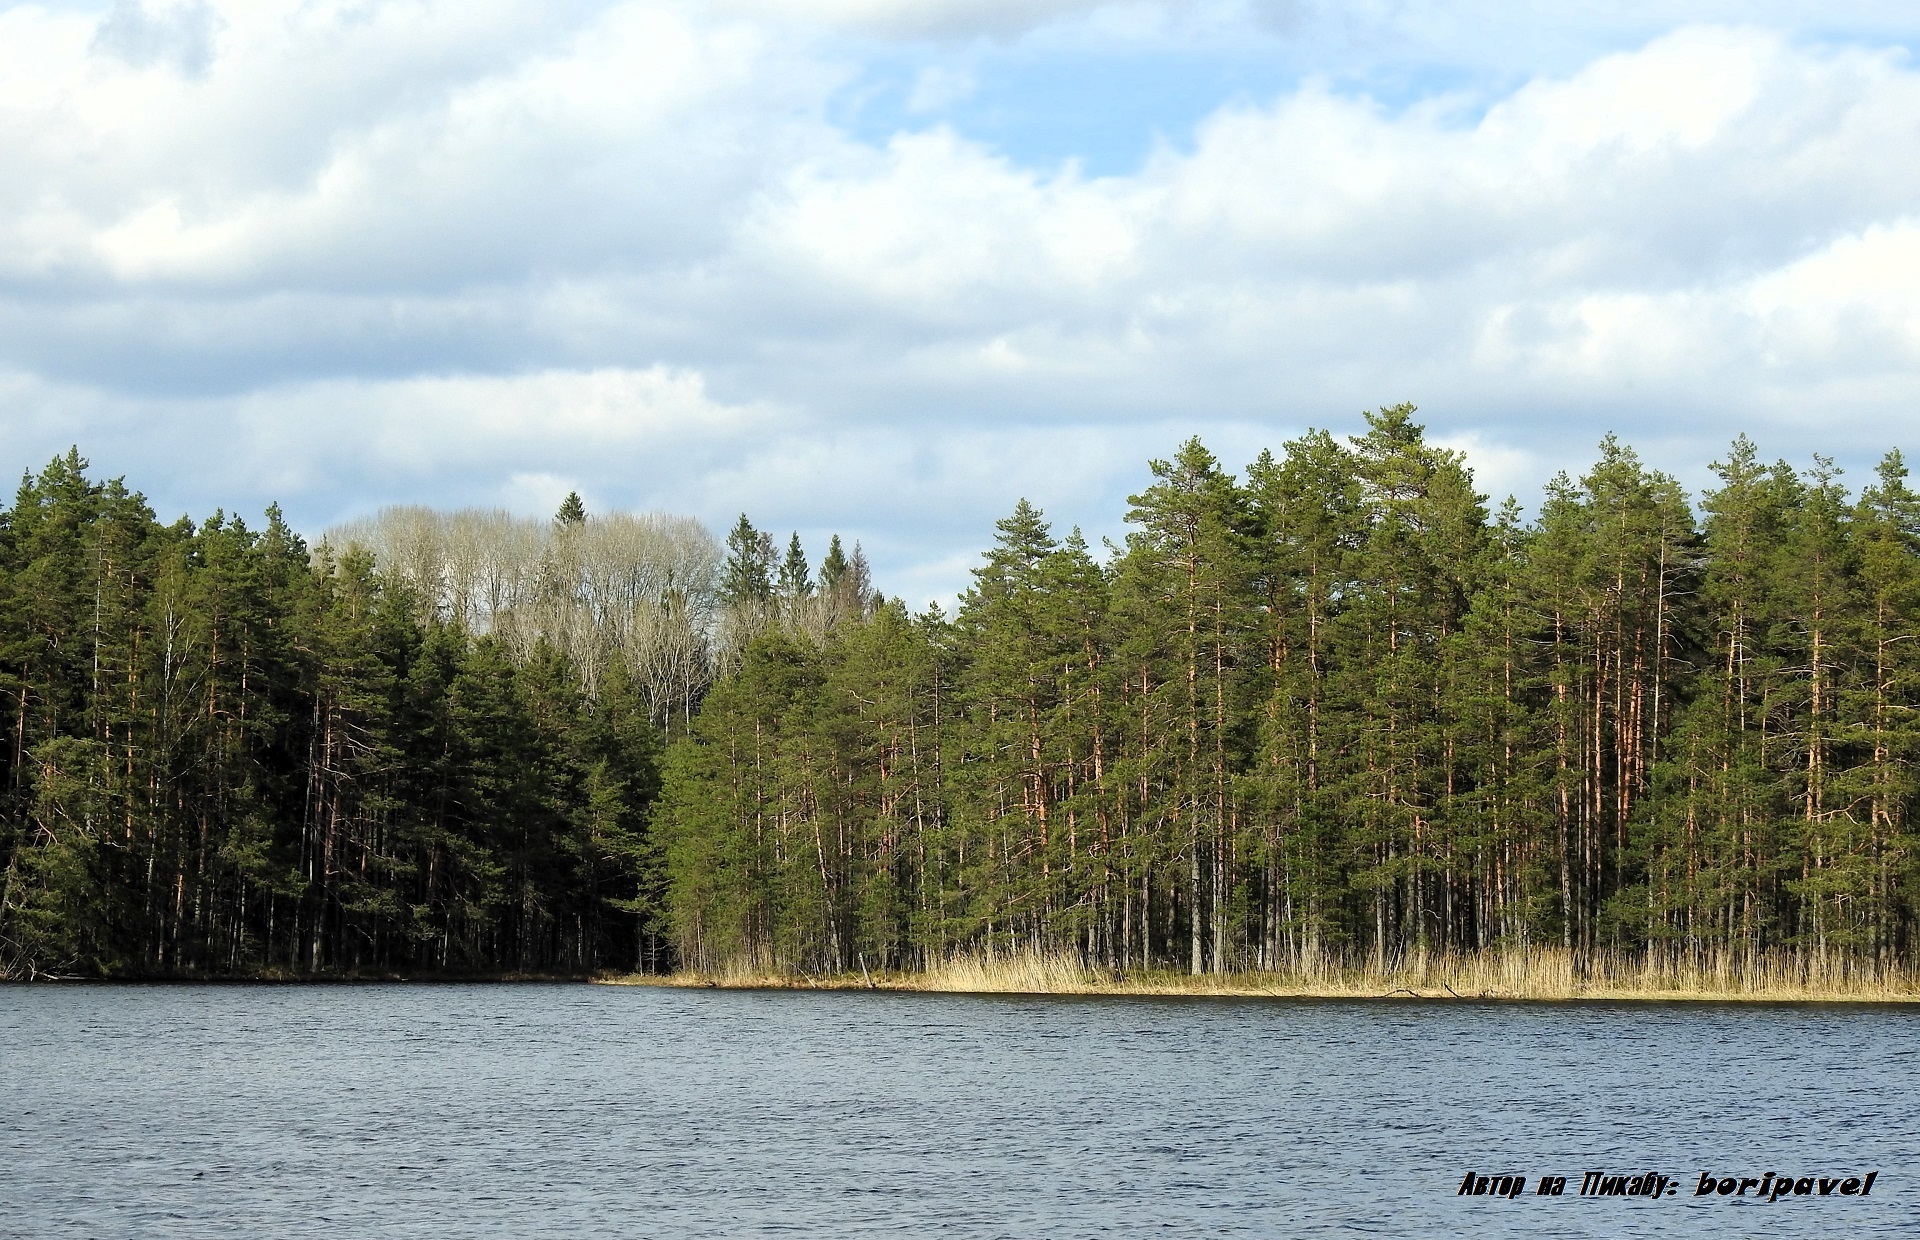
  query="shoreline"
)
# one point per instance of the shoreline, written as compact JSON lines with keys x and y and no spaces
{"x":1214,"y":988}
{"x":1519,"y":975}
{"x":1532,"y":976}
{"x":1169,"y":986}
{"x":277,"y":978}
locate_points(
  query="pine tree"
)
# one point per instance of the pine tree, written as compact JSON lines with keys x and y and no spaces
{"x":1881,"y":705}
{"x":1309,"y":524}
{"x":1190,"y":557}
{"x":1012,"y":687}
{"x":1425,"y":528}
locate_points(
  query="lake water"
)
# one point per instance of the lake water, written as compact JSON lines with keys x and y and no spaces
{"x":536,"y":1111}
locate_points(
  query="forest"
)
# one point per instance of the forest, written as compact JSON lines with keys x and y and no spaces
{"x":1334,"y":707}
{"x":228,"y":754}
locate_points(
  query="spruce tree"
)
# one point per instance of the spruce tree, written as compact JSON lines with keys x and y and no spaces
{"x":796,"y":580}
{"x":747,"y":576}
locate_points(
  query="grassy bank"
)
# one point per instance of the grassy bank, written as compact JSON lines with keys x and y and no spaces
{"x":288,"y":977}
{"x":1533,"y":974}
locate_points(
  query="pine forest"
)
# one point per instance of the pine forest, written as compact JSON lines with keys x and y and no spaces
{"x":1331,"y":707}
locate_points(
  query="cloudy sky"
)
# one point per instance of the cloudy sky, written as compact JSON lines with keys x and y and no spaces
{"x":885,"y":266}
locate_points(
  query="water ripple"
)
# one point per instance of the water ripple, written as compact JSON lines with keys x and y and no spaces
{"x":483,"y":1111}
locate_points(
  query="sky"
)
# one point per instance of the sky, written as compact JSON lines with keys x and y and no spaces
{"x":884,"y":267}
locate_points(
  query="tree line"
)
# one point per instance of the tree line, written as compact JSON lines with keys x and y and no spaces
{"x":1335,"y":708}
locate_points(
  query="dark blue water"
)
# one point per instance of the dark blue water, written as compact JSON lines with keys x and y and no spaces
{"x":534,"y":1111}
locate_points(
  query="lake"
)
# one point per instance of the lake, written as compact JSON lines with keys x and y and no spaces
{"x":442,"y":1111}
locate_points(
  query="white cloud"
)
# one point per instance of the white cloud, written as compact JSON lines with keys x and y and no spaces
{"x":537,"y":493}
{"x":352,"y":255}
{"x":939,"y":229}
{"x":420,"y":144}
{"x":918,"y":19}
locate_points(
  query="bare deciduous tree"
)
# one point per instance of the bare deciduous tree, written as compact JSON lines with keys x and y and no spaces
{"x":642,"y":585}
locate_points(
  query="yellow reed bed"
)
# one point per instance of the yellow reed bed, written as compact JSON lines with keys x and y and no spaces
{"x":1538,"y":973}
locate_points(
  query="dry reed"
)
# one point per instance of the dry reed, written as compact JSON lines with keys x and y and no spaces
{"x":1532,"y":973}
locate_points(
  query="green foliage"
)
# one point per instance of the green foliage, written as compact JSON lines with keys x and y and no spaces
{"x":1335,"y":708}
{"x":747,"y":577}
{"x":1339,"y":707}
{"x":226,"y":756}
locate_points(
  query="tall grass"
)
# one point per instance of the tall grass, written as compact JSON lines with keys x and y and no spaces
{"x":1515,"y":973}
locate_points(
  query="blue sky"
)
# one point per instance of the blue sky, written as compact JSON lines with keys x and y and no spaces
{"x":883,"y":267}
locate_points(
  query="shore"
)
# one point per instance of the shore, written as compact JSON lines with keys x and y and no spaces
{"x":285,"y":977}
{"x":1532,"y":975}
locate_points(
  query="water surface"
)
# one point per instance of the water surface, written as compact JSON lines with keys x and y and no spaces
{"x":521,"y":1111}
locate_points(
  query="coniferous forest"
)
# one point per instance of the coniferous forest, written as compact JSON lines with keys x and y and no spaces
{"x":1332,"y":707}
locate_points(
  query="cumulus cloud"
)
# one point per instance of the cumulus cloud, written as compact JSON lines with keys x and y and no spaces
{"x":417,"y":146}
{"x":940,"y":19}
{"x":479,"y":253}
